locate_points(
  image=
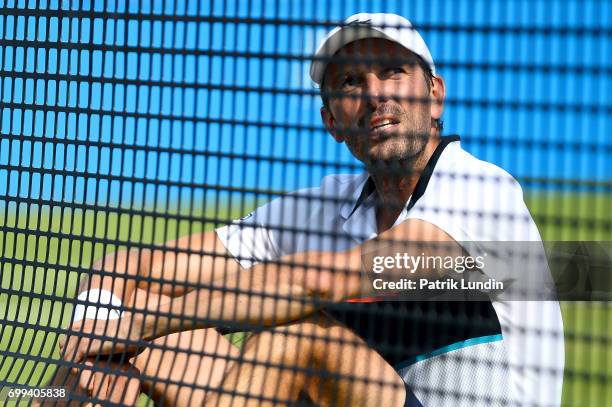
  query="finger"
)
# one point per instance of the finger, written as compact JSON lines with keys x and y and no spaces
{"x":77,"y":353}
{"x":63,"y":337}
{"x":99,"y":389}
{"x":102,"y":387}
{"x":72,"y":346}
{"x":130,"y":388}
{"x":116,"y":388}
{"x":95,"y":388}
{"x":91,"y":387}
{"x":66,"y":347}
{"x":69,"y":351}
{"x":106,"y":388}
{"x":93,"y":348}
{"x":75,"y":326}
{"x":133,"y":392}
{"x":85,"y":347}
{"x":86,"y":378}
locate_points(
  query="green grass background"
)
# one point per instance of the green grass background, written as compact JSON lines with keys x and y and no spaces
{"x":62,"y":238}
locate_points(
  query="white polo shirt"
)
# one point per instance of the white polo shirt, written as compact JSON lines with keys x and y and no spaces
{"x":475,"y":202}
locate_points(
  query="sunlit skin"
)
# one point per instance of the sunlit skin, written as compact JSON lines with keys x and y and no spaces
{"x":383,"y":111}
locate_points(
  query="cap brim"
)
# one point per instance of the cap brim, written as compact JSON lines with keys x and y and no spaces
{"x":337,"y":40}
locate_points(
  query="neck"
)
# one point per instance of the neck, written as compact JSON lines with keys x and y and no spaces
{"x":395,"y":185}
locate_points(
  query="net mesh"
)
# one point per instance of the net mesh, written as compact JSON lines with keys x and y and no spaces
{"x":131,"y":130}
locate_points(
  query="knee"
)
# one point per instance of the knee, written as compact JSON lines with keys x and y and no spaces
{"x":152,"y":361}
{"x":149,"y":361}
{"x":266,"y":346}
{"x":292,"y":345}
{"x":139,"y":361}
{"x":324,"y":341}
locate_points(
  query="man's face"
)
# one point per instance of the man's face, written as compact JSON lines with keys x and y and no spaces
{"x":379,"y":104}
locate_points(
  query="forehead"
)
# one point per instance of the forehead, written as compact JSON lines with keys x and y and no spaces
{"x":372,"y":46}
{"x":369,"y":52}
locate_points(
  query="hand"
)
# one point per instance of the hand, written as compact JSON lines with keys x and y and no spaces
{"x":102,"y":337}
{"x":121,"y":385}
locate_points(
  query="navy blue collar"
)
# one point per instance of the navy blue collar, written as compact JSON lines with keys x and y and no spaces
{"x":369,"y":187}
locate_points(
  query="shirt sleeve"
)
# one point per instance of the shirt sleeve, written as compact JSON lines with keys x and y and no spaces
{"x":252,"y":238}
{"x":273,"y":230}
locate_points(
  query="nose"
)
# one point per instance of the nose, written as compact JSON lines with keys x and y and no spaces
{"x":373,"y":91}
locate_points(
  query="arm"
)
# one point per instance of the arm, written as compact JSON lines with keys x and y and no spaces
{"x":268,"y":294}
{"x":172,"y":270}
{"x":245,"y":297}
{"x":191,"y":260}
{"x":272,"y":294}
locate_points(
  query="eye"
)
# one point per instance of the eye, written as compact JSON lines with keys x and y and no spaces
{"x":392,"y":71}
{"x":349,"y":81}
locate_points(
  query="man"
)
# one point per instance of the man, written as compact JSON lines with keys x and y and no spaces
{"x":383,"y":99}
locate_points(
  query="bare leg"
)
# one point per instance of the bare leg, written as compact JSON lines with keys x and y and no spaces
{"x":189,"y":365}
{"x":280,"y":363}
{"x":317,"y":356}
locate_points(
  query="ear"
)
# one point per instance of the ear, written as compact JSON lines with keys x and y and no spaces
{"x":330,"y":124}
{"x":437,"y":93}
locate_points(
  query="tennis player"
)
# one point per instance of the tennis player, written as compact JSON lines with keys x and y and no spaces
{"x":383,"y":98}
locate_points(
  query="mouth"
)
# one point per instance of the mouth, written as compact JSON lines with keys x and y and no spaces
{"x":383,"y":125}
{"x":380,"y":127}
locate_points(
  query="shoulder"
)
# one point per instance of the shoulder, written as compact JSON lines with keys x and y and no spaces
{"x":298,"y":206}
{"x":478,"y":197}
{"x":456,"y":160}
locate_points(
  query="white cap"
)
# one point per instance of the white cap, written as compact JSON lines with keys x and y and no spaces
{"x":369,"y":25}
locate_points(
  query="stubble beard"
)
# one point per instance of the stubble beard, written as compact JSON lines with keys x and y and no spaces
{"x":403,"y":149}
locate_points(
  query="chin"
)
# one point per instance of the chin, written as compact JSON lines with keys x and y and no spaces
{"x":383,"y":162}
{"x":392,"y":153}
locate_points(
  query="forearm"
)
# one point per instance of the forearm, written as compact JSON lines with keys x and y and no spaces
{"x":171,"y":270}
{"x":266,"y":294}
{"x":294,"y":287}
{"x":205,"y":308}
{"x":116,"y":272}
